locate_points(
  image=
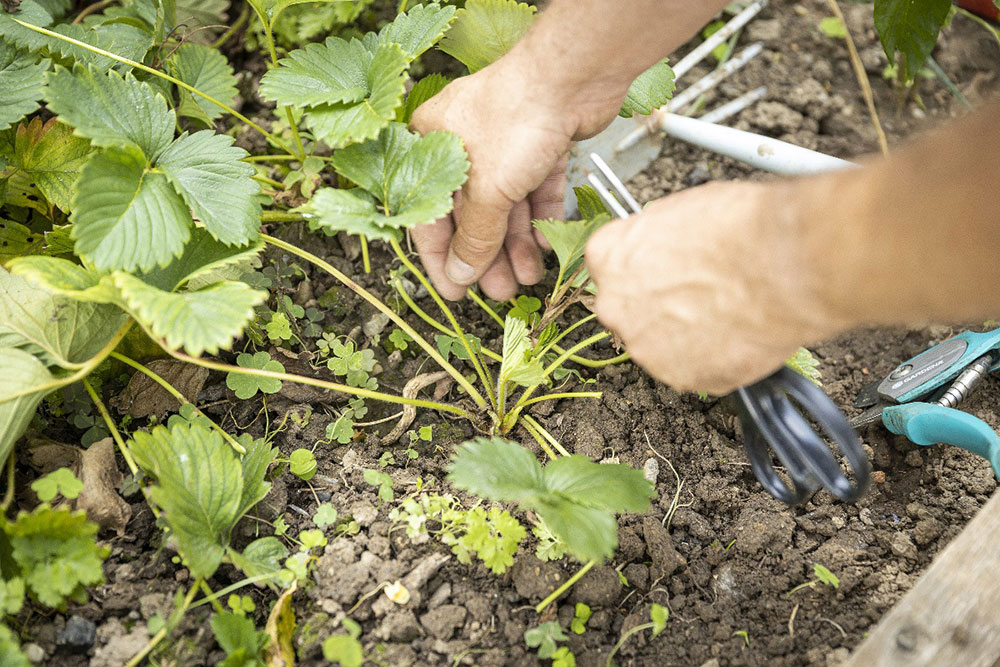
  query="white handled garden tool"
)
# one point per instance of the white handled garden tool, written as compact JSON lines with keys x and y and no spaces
{"x":629,"y":145}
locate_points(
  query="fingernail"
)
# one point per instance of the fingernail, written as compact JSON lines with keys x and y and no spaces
{"x":458,"y":271}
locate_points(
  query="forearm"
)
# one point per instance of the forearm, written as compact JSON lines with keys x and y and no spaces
{"x":592,"y":50}
{"x":914,"y":238}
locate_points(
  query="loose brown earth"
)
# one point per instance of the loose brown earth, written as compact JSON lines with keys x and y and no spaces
{"x":731,"y":554}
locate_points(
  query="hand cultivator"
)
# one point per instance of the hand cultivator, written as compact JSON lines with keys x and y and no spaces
{"x":918,"y":398}
{"x":778,"y":412}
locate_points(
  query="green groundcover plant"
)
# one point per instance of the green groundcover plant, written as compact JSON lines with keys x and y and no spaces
{"x":127,"y":212}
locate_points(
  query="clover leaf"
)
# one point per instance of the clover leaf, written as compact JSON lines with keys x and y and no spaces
{"x":247,"y":386}
{"x":61,"y":481}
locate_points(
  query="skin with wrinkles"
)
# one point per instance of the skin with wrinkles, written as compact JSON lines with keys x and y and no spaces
{"x":712,"y":288}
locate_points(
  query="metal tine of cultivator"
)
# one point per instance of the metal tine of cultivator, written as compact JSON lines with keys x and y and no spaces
{"x":685,"y":64}
{"x":710,"y":81}
{"x":730,"y":109}
{"x":683,"y":100}
{"x":616,"y":183}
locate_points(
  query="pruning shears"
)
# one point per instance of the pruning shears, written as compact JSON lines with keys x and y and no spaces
{"x":918,"y":398}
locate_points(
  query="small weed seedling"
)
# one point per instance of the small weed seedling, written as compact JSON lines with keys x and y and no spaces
{"x":544,"y":638}
{"x":821,"y":575}
{"x":658,"y":616}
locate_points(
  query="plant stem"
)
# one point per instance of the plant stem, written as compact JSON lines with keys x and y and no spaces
{"x":528,"y":419}
{"x":560,"y":360}
{"x":159,"y":636}
{"x":111,"y":427}
{"x":540,"y":440}
{"x":583,"y":361}
{"x":270,"y":158}
{"x":268,"y":181}
{"x":233,"y":588}
{"x":625,"y":637}
{"x":170,"y":389}
{"x":478,"y":300}
{"x":422,"y":314}
{"x":280,"y":216}
{"x":8,"y":496}
{"x":595,"y":363}
{"x":232,"y":30}
{"x":565,"y":587}
{"x":211,"y":597}
{"x":862,"y":77}
{"x":388,"y":312}
{"x":313,"y":382}
{"x":570,"y":329}
{"x":481,"y":370}
{"x":555,"y":397}
{"x":166,"y":77}
{"x":365,"y":260}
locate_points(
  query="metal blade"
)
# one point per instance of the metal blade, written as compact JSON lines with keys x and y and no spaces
{"x":870,"y":416}
{"x":868,"y":396}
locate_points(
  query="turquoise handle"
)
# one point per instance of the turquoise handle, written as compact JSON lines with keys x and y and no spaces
{"x":929,"y":424}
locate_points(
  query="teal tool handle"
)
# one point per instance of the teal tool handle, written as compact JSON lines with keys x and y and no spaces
{"x":929,"y":424}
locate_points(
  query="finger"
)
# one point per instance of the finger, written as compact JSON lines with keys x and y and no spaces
{"x":602,"y":245}
{"x":522,"y":250}
{"x":548,"y":199}
{"x":432,"y":243}
{"x":481,"y":227}
{"x":498,"y":282}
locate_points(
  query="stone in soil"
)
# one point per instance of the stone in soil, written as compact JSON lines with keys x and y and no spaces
{"x":78,"y":635}
{"x":442,"y":621}
{"x":660,"y":546}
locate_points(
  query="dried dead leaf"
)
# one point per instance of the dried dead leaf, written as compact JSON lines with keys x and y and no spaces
{"x":98,"y":470}
{"x":143,"y":397}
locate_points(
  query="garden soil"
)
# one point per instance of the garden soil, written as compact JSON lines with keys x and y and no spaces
{"x":725,"y":562}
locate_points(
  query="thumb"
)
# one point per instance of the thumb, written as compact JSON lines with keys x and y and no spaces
{"x":480,"y":229}
{"x":601,"y":246}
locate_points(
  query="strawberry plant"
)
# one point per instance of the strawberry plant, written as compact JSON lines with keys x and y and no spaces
{"x":126,"y":213}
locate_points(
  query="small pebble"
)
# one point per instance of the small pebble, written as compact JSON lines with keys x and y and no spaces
{"x":78,"y":635}
{"x":651,"y":470}
{"x":34,"y":652}
{"x":878,"y":477}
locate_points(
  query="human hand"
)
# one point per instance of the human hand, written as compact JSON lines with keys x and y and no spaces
{"x":517,"y":134}
{"x":712,"y":288}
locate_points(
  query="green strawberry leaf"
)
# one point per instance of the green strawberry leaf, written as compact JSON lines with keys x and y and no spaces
{"x":65,"y":278}
{"x":238,"y":636}
{"x":29,"y":11}
{"x":262,"y":556}
{"x":51,"y":157}
{"x":12,"y":656}
{"x":247,"y":386}
{"x":335,"y":71}
{"x":574,"y":497}
{"x":123,"y":39}
{"x":569,"y":240}
{"x":418,"y":29}
{"x":199,"y":485}
{"x":423,"y":90}
{"x":497,"y":469}
{"x":412,"y":178}
{"x":910,"y":27}
{"x":59,"y":331}
{"x":207,"y":70}
{"x":518,"y":366}
{"x":343,"y":123}
{"x":22,"y":81}
{"x":23,"y":384}
{"x":649,"y":91}
{"x":202,"y":257}
{"x":806,"y":365}
{"x":614,"y":487}
{"x":125,"y":216}
{"x":204,"y":320}
{"x":209,"y":173}
{"x":485,"y":30}
{"x":56,"y":552}
{"x":94,"y":104}
{"x":259,"y":457}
